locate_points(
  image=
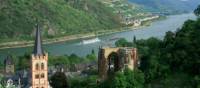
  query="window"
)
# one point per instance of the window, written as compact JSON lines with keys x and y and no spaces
{"x":42,"y":66}
{"x":42,"y":75}
{"x":37,"y":66}
{"x":37,"y":76}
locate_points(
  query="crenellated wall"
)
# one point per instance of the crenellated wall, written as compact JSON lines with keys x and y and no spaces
{"x":39,"y":68}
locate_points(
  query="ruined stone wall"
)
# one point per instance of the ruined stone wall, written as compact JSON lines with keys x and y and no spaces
{"x":127,"y":58}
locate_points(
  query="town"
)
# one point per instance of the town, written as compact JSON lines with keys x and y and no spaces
{"x":38,"y":75}
{"x":99,"y":44}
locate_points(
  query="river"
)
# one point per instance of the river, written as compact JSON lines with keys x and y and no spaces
{"x":156,"y":29}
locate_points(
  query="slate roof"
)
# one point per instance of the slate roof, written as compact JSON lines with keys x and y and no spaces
{"x":38,"y":43}
{"x":8,"y":60}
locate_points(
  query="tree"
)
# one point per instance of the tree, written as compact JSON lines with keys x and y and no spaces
{"x":119,"y":81}
{"x":134,"y":79}
{"x":126,"y":79}
{"x":1,"y":84}
{"x":169,"y":37}
{"x":134,"y":41}
{"x":86,"y":82}
{"x":197,"y":11}
{"x":59,"y":80}
{"x":23,"y":61}
{"x":123,"y":43}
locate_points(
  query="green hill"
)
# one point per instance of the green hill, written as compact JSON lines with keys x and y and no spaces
{"x":56,"y":17}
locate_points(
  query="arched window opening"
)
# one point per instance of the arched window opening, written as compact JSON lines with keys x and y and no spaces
{"x":42,"y":66}
{"x":113,"y":63}
{"x":37,"y":76}
{"x":42,"y":75}
{"x":37,"y":66}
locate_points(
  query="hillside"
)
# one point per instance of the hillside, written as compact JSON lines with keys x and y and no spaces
{"x":127,"y":9}
{"x":56,"y":17}
{"x":168,"y":5}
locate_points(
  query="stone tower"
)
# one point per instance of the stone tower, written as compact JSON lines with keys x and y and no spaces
{"x":9,"y":66}
{"x":39,"y":64}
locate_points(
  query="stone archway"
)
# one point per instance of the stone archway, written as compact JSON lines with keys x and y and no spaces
{"x":105,"y":54}
{"x":111,"y":60}
{"x":113,"y":63}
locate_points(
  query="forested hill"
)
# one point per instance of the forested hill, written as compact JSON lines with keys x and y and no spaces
{"x":57,"y":17}
{"x":168,"y":5}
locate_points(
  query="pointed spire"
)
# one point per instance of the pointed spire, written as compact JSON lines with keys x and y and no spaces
{"x":38,"y":43}
{"x":134,"y":41}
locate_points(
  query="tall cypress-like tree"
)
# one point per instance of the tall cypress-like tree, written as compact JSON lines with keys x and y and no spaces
{"x":59,"y":80}
{"x":197,"y":11}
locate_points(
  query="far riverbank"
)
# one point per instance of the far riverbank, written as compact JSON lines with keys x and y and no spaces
{"x":18,"y":44}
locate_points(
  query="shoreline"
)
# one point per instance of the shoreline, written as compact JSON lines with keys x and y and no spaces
{"x":21,"y":44}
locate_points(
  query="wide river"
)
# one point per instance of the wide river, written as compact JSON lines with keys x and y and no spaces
{"x":156,"y":29}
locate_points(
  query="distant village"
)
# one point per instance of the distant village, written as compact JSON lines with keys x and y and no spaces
{"x":138,"y":22}
{"x":21,"y":78}
{"x":128,"y":18}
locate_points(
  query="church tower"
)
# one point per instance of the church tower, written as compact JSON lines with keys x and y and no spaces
{"x":39,"y":64}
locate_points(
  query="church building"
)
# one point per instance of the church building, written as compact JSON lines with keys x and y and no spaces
{"x":39,"y":64}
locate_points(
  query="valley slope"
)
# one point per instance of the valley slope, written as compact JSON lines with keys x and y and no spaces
{"x":56,"y":17}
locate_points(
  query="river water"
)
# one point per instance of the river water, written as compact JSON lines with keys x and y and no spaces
{"x":156,"y":29}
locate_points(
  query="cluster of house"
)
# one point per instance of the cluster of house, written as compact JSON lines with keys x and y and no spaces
{"x":21,"y":79}
{"x":138,"y":22}
{"x":37,"y":76}
{"x":12,"y":79}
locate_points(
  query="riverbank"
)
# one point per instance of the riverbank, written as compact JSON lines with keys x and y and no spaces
{"x":18,"y":44}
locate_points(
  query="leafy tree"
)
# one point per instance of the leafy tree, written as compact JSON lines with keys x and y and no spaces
{"x":23,"y":62}
{"x":197,"y":81}
{"x":119,"y":81}
{"x":169,"y":37}
{"x":91,"y":57}
{"x":70,"y":61}
{"x":1,"y":84}
{"x":122,"y":43}
{"x":197,"y":11}
{"x":59,"y":80}
{"x":134,"y":79}
{"x":126,"y":79}
{"x":86,"y":82}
